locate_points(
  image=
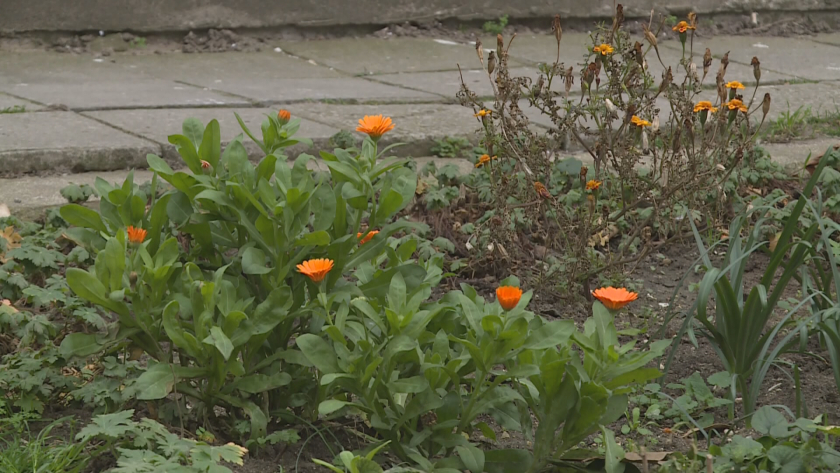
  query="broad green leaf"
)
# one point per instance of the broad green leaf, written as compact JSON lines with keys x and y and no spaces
{"x":80,"y":216}
{"x":769,"y":421}
{"x":79,"y":345}
{"x":218,"y":339}
{"x":318,"y":238}
{"x":211,"y":144}
{"x":551,"y":334}
{"x":506,"y":460}
{"x":156,"y":383}
{"x":193,"y":129}
{"x":472,"y":457}
{"x":330,"y":405}
{"x":86,"y":286}
{"x":257,"y":383}
{"x":158,"y":165}
{"x":319,"y":353}
{"x":253,"y":262}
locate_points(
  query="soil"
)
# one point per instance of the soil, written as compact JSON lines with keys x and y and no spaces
{"x":222,"y":40}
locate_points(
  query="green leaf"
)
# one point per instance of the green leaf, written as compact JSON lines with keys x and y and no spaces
{"x":412,"y":385}
{"x":156,"y":383}
{"x":179,"y":208}
{"x":158,"y":165}
{"x":253,"y":262}
{"x":79,"y":344}
{"x":787,"y":459}
{"x":769,"y":421}
{"x":211,"y":144}
{"x":86,"y":286}
{"x":193,"y":129}
{"x":218,"y":339}
{"x":551,"y":334}
{"x":507,"y":460}
{"x":330,"y":405}
{"x":235,"y":158}
{"x":319,"y":238}
{"x":319,"y":353}
{"x":721,"y":379}
{"x":80,"y":216}
{"x":614,"y":453}
{"x":112,"y":426}
{"x":472,"y":457}
{"x":257,"y":383}
{"x":187,"y":150}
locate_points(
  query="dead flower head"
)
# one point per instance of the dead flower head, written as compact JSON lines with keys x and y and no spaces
{"x":541,"y":190}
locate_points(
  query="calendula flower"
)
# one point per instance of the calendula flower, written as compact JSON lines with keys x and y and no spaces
{"x":367,"y":237}
{"x":136,"y":235}
{"x":704,"y":105}
{"x":639,"y":121}
{"x":375,"y":125}
{"x":614,"y":298}
{"x":484,"y":159}
{"x":316,"y":269}
{"x":734,"y":85}
{"x":483,"y":113}
{"x":508,"y":296}
{"x":284,"y":116}
{"x":603,"y":49}
{"x":682,"y":27}
{"x":736,"y":104}
{"x":593,"y":185}
{"x":541,"y":190}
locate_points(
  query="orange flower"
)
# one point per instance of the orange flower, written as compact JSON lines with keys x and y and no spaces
{"x":484,"y":159}
{"x":508,"y":296}
{"x":734,"y":85}
{"x":736,"y":104}
{"x":682,"y":27}
{"x":603,"y":49}
{"x":639,"y":122}
{"x":483,"y":113}
{"x":284,"y":116}
{"x":613,"y":298}
{"x":541,"y":190}
{"x":593,"y":185}
{"x":367,"y":237}
{"x":316,"y":269}
{"x":375,"y":125}
{"x":136,"y":235}
{"x":704,"y":105}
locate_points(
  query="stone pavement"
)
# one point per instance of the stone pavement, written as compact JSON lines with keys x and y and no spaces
{"x":85,"y":113}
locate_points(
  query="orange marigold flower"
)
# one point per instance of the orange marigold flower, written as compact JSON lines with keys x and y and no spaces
{"x":541,"y":190}
{"x":682,"y":27}
{"x":613,"y":298}
{"x":508,"y":296}
{"x":736,"y":104}
{"x":639,"y":122}
{"x":375,"y":125}
{"x":484,"y":159}
{"x":136,"y":235}
{"x":704,"y":105}
{"x":483,"y":113}
{"x":734,"y":85}
{"x":593,"y":185}
{"x":316,"y":269}
{"x":284,"y":116}
{"x":603,"y":49}
{"x":367,"y":237}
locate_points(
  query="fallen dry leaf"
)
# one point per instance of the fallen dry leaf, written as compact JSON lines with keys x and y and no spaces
{"x":651,"y":456}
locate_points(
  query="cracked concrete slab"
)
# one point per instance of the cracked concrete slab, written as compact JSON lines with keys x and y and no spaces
{"x":64,"y":141}
{"x":9,"y":104}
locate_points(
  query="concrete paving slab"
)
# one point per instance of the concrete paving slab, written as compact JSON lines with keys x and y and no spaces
{"x":41,"y":67}
{"x":796,"y":57}
{"x":448,"y":83}
{"x":346,"y":89}
{"x":416,"y":125}
{"x":796,"y":153}
{"x":64,"y":141}
{"x":157,"y":125}
{"x":827,"y":38}
{"x":820,"y":98}
{"x":366,"y":56}
{"x":9,"y":104}
{"x":133,"y":93}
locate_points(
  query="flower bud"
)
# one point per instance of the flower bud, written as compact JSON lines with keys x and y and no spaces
{"x":756,"y":64}
{"x":655,"y":124}
{"x":283,"y":116}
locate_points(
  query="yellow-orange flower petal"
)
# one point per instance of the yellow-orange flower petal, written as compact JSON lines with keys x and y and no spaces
{"x":508,"y":296}
{"x":136,"y":235}
{"x":682,"y":27}
{"x":284,"y":116}
{"x":603,"y":49}
{"x":593,"y":185}
{"x":541,"y":190}
{"x":375,"y":125}
{"x":736,"y":104}
{"x":484,"y":159}
{"x":367,"y":237}
{"x":734,"y":85}
{"x":316,"y":269}
{"x":614,"y":298}
{"x":704,"y":105}
{"x":639,"y":122}
{"x":483,"y":113}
